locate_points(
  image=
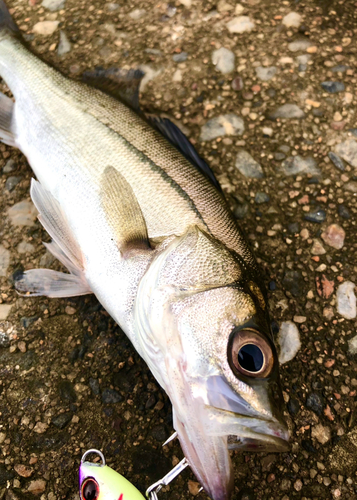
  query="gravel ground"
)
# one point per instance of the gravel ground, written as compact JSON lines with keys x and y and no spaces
{"x":267,"y":92}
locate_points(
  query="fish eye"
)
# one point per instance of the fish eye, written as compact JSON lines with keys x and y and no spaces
{"x":90,"y":489}
{"x":250,"y":354}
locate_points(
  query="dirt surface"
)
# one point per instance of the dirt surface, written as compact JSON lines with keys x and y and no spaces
{"x":69,"y":378}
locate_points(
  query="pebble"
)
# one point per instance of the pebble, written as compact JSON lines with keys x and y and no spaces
{"x":137,"y":14}
{"x":53,"y":5}
{"x":247,"y":166}
{"x":12,"y":182}
{"x":287,"y":111}
{"x":224,"y":60}
{"x":321,"y":433}
{"x":181,"y":57}
{"x":289,"y":341}
{"x":343,"y":212}
{"x":149,"y":75}
{"x":94,"y":385}
{"x":336,"y":160}
{"x":266,"y":74}
{"x":293,"y":282}
{"x":334,"y":236}
{"x":64,"y":45}
{"x":346,"y":300}
{"x":295,"y":165}
{"x":317,"y":248}
{"x":240,"y":24}
{"x":324,"y":286}
{"x":237,"y":83}
{"x":278,"y":156}
{"x":62,"y":420}
{"x":352,"y":345}
{"x":22,"y":470}
{"x":285,"y":485}
{"x":45,"y":28}
{"x":193,"y":487}
{"x":299,"y":45}
{"x":293,"y":406}
{"x":314,"y":402}
{"x":219,"y":126}
{"x":4,"y":260}
{"x":177,"y":76}
{"x":66,"y":391}
{"x":267,"y":131}
{"x":292,"y":20}
{"x":111,"y":396}
{"x":25,"y":247}
{"x":348,"y":151}
{"x":10,"y":166}
{"x":22,"y":213}
{"x":40,"y":427}
{"x":318,"y":215}
{"x":5,"y":310}
{"x":333,"y":87}
{"x":112,"y":7}
{"x":37,"y":487}
{"x":261,"y":198}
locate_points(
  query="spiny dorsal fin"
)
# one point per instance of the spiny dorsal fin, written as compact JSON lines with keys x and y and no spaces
{"x":123,"y":212}
{"x":119,"y":83}
{"x":180,"y":141}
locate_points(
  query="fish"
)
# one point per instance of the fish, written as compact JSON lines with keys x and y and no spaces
{"x":139,"y":219}
{"x":98,"y":481}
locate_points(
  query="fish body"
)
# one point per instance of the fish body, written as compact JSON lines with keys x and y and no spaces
{"x":152,"y":237}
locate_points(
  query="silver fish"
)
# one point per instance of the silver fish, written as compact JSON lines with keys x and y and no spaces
{"x":150,"y":234}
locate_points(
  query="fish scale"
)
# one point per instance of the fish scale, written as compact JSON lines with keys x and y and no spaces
{"x":143,"y":226}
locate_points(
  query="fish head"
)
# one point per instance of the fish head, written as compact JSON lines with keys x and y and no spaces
{"x":209,"y":344}
{"x":97,"y":481}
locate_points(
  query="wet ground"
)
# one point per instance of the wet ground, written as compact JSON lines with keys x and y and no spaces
{"x":69,"y":378}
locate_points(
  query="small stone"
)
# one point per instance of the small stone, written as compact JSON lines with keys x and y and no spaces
{"x":240,"y":24}
{"x":289,"y":341}
{"x":22,"y":213}
{"x":40,"y":428}
{"x":261,"y":198}
{"x":293,"y":282}
{"x":149,"y":75}
{"x":193,"y":487}
{"x":334,"y":236}
{"x":181,"y":57}
{"x":346,"y":300}
{"x":295,"y":165}
{"x":224,"y":6}
{"x":37,"y":487}
{"x":70,"y":310}
{"x":111,"y":396}
{"x":299,"y":319}
{"x":45,"y":28}
{"x":285,"y":485}
{"x":298,"y":485}
{"x":348,"y":151}
{"x":4,"y":312}
{"x":352,"y":345}
{"x":177,"y":76}
{"x":299,"y":45}
{"x":343,"y":212}
{"x":267,"y":131}
{"x":4,"y":260}
{"x":137,"y":14}
{"x":338,"y":125}
{"x":64,"y":45}
{"x":10,"y":166}
{"x":186,"y":3}
{"x":333,"y":87}
{"x":320,"y":433}
{"x":318,"y":215}
{"x":53,"y":5}
{"x":94,"y":385}
{"x":25,"y":247}
{"x":325,"y":288}
{"x":112,"y":7}
{"x":293,"y":406}
{"x":159,"y":433}
{"x":292,"y":20}
{"x":287,"y":111}
{"x":266,"y":74}
{"x":62,"y":420}
{"x":237,"y":83}
{"x":12,"y":182}
{"x":247,"y":166}
{"x":224,"y":60}
{"x":239,"y":9}
{"x":317,"y":248}
{"x":23,"y":470}
{"x":219,"y":126}
{"x":278,"y":156}
{"x":336,"y":160}
{"x":314,"y":403}
{"x":337,"y":117}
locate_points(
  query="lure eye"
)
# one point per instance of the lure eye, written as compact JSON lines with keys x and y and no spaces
{"x":250,"y":354}
{"x":90,"y":489}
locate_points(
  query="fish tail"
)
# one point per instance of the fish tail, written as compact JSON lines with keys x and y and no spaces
{"x":8,"y":26}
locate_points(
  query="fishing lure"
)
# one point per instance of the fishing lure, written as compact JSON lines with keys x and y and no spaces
{"x":97,"y":481}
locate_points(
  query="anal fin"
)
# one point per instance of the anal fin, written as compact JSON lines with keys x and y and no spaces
{"x":63,"y":246}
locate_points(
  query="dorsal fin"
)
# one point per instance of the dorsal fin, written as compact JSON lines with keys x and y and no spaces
{"x":118,"y":83}
{"x":178,"y":139}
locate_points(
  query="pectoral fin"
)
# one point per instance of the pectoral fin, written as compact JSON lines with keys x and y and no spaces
{"x":51,"y":284}
{"x":123,"y":212}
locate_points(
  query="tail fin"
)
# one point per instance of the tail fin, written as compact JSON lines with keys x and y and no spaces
{"x":7,"y":24}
